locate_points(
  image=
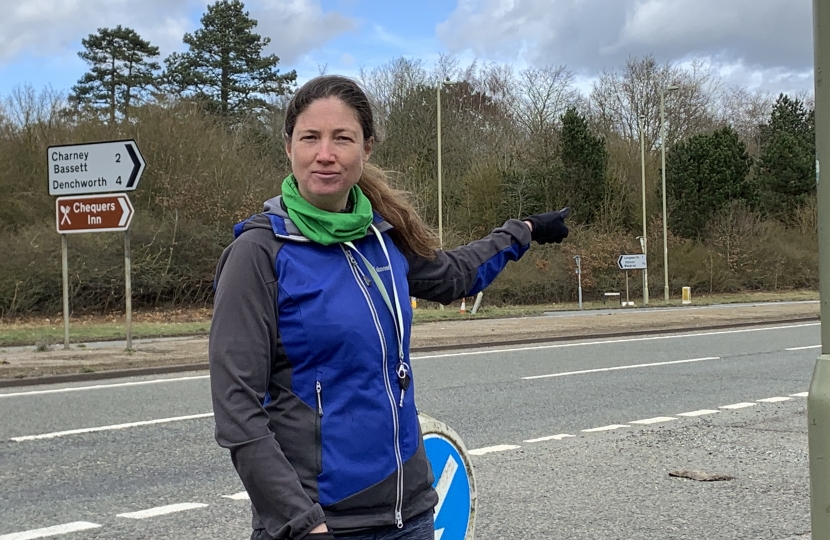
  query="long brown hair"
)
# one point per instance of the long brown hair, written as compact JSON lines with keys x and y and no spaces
{"x":410,"y":231}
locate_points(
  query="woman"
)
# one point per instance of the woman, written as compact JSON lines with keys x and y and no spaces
{"x":313,"y":392}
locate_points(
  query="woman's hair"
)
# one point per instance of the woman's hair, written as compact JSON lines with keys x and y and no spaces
{"x":409,"y":229}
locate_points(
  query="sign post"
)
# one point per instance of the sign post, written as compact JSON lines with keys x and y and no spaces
{"x":90,"y":181}
{"x":578,"y":261}
{"x":454,"y":480}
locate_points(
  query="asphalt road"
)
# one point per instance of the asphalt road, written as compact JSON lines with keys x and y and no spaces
{"x":141,"y":445}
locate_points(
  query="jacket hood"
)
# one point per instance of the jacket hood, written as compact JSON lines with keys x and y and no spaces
{"x":274,"y":216}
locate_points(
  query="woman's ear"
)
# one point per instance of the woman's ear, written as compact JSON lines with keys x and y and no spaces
{"x":367,"y":148}
{"x":287,"y":140}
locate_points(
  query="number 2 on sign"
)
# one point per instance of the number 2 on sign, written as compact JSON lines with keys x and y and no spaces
{"x":118,"y":158}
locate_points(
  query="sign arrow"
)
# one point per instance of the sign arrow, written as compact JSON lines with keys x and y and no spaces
{"x":138,"y":165}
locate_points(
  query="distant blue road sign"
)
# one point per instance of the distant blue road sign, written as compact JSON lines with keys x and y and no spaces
{"x":452,"y":482}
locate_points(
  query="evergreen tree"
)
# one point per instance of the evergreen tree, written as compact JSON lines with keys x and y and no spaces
{"x":703,"y":174}
{"x":121,"y":71}
{"x":583,"y":160}
{"x":786,"y":168}
{"x":224,"y":67}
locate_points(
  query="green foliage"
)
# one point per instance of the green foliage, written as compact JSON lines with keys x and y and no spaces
{"x":583,"y":159}
{"x":224,"y":68}
{"x":704,"y":174}
{"x":120,"y":74}
{"x":786,"y":174}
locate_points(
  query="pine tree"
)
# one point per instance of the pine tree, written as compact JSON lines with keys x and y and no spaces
{"x":224,"y":67}
{"x":583,"y":160}
{"x":121,"y":71}
{"x":786,"y":168}
{"x":703,"y":174}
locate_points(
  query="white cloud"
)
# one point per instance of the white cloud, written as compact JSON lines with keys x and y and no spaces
{"x":772,"y":38}
{"x":39,"y":28}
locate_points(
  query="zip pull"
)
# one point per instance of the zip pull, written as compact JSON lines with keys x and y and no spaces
{"x":398,"y":519}
{"x":404,"y":380}
{"x":319,"y":398}
{"x":356,"y":266}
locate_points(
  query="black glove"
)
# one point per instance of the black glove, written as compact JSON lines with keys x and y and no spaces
{"x":549,"y":227}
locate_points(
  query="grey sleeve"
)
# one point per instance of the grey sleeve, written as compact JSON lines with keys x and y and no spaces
{"x":243,"y":341}
{"x":468,"y":269}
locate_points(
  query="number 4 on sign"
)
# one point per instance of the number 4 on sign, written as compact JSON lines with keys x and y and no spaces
{"x":443,"y":487}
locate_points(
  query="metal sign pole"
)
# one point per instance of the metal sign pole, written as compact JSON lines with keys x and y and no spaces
{"x":626,"y":287}
{"x":65,"y":276}
{"x":128,"y":290}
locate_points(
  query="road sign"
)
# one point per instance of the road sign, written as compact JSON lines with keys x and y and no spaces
{"x":454,"y":481}
{"x":102,"y":167}
{"x":631,"y":262}
{"x":93,"y":213}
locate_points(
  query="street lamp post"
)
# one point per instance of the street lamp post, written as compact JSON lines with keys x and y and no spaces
{"x":645,"y":237}
{"x":440,"y":201}
{"x":663,"y":152}
{"x":441,"y":84}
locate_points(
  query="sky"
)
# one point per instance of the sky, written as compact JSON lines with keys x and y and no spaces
{"x":758,"y":44}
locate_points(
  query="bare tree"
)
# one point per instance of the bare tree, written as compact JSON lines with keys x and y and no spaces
{"x":621,"y":97}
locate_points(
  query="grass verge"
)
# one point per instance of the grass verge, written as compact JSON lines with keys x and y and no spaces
{"x":44,"y":333}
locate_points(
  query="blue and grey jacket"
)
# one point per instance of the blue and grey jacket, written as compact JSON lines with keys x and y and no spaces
{"x":309,"y":365}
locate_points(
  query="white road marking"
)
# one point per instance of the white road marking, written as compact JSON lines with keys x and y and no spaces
{"x":613,"y":341}
{"x":655,"y":420}
{"x":774,"y":399}
{"x":109,"y":428}
{"x":605,"y":428}
{"x":491,"y":449}
{"x":803,"y":348}
{"x":241,"y":496}
{"x":550,"y":438}
{"x":161,"y":510}
{"x":616,"y":368}
{"x":51,"y":531}
{"x":737,"y":406}
{"x":800,"y":394}
{"x":101,"y":386}
{"x":701,"y":412}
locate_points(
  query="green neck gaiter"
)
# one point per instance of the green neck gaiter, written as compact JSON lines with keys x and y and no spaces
{"x":326,"y":227}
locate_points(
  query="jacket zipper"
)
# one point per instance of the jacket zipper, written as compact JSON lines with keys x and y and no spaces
{"x":319,"y":423}
{"x":363,"y":284}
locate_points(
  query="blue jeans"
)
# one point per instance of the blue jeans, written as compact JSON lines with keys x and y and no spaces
{"x":420,"y":527}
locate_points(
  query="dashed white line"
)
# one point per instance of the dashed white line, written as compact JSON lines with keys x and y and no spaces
{"x":605,"y":428}
{"x":614,"y":341}
{"x":803,"y":348}
{"x":108,"y":428}
{"x":701,"y":412}
{"x":550,"y":438}
{"x":66,"y":528}
{"x":616,"y":368}
{"x":655,"y":420}
{"x":241,"y":496}
{"x":774,"y":399}
{"x":800,"y":394}
{"x":161,"y":510}
{"x":101,"y":386}
{"x":491,"y":449}
{"x":737,"y":406}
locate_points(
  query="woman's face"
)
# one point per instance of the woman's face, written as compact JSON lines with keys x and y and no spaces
{"x":327,"y":153}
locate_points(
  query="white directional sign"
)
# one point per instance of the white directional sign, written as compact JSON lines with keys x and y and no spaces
{"x":103,"y":167}
{"x":632,"y":262}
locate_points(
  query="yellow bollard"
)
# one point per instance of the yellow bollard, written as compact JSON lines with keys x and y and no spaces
{"x":687,"y":295}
